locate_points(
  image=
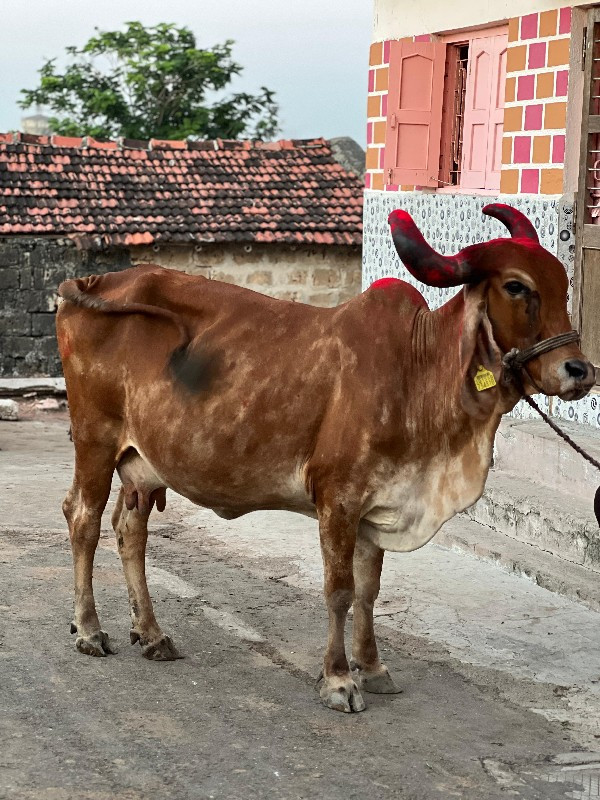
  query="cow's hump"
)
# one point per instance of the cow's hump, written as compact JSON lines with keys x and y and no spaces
{"x":396,"y":286}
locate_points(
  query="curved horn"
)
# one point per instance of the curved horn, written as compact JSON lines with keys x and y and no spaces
{"x":516,"y":222}
{"x":421,"y":260}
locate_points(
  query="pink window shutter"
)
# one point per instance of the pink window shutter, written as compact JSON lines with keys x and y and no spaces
{"x":414,"y":119}
{"x":496,"y":127}
{"x":484,"y":109}
{"x":477,"y":114}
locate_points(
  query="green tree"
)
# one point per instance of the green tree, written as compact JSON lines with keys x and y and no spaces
{"x":154,"y":82}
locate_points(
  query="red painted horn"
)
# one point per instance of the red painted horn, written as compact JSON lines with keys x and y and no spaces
{"x":516,"y":222}
{"x":430,"y":267}
{"x":421,"y":260}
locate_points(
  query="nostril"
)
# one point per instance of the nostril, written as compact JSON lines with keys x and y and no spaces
{"x":576,"y":369}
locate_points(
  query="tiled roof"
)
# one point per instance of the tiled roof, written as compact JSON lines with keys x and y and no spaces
{"x":130,"y":192}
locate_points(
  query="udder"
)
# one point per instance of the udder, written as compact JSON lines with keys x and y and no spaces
{"x":141,"y":485}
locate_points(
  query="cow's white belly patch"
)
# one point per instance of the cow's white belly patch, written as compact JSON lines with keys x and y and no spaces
{"x":414,"y":503}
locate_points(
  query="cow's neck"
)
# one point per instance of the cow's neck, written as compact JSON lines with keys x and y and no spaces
{"x":436,"y":367}
{"x":443,"y":453}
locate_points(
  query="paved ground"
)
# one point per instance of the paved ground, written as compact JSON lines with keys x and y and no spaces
{"x":501,"y":678}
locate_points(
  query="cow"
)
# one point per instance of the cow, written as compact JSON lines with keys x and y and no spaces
{"x":376,"y":417}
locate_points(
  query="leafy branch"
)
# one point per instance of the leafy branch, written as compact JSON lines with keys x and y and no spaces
{"x":151,"y":82}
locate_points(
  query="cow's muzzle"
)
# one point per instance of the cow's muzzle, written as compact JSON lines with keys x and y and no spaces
{"x":576,"y":377}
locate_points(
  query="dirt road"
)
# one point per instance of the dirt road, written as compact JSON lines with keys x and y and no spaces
{"x":500,"y":677}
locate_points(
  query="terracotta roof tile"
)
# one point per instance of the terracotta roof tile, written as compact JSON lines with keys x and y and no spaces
{"x":133,"y":192}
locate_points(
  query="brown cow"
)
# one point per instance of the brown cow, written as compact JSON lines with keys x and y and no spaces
{"x":367,"y":416}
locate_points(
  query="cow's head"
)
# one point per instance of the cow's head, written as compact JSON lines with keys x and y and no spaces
{"x":518,"y":290}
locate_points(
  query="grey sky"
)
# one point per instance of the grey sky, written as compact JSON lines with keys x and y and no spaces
{"x":313,"y":54}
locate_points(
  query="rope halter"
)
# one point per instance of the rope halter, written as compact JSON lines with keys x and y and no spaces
{"x":514,"y":360}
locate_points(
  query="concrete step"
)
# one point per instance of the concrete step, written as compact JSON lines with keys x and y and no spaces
{"x":20,"y":387}
{"x":531,"y":449}
{"x":524,"y":560}
{"x":557,"y":522}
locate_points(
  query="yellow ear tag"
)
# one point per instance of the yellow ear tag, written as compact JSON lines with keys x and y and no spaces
{"x":484,"y":379}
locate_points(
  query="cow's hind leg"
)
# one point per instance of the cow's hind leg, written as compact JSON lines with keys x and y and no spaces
{"x":374,"y":676}
{"x":131,"y":529}
{"x":338,"y":535}
{"x":83,"y":507}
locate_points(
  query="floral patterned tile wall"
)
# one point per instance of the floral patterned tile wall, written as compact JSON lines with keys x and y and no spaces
{"x":449,"y":223}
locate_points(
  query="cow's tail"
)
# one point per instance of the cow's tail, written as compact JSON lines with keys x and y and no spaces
{"x":189,"y":362}
{"x":79,"y":291}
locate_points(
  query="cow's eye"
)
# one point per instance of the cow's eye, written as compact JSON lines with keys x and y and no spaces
{"x":515,"y":288}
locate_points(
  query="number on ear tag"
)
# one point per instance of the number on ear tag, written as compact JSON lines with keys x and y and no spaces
{"x":484,"y":379}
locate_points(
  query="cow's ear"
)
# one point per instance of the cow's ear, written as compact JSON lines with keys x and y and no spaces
{"x":480,"y":357}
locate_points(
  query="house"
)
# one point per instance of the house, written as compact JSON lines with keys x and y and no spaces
{"x":474,"y":102}
{"x":37,"y":123}
{"x":471,"y":103}
{"x":283,"y":218}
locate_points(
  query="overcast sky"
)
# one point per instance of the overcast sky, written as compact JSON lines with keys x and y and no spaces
{"x":313,"y":54}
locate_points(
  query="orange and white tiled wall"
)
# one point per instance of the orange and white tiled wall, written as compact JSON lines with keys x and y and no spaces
{"x":537,"y":75}
{"x":377,"y":98}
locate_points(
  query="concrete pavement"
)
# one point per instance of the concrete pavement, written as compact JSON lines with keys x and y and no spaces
{"x":500,"y":677}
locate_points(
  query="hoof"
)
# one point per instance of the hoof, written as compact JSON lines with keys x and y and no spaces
{"x":342,"y":694}
{"x":162,"y":649}
{"x":98,"y":644}
{"x":377,"y":682}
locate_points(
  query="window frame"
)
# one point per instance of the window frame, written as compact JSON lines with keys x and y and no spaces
{"x":449,"y":115}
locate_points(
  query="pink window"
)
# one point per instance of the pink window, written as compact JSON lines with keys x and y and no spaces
{"x":414,"y":114}
{"x":484,"y":113}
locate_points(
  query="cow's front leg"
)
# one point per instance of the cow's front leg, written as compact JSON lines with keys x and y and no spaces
{"x":131,"y":529}
{"x":338,"y":535}
{"x":374,"y":676}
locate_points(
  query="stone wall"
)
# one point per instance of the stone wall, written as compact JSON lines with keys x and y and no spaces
{"x":31,"y":269}
{"x":321,"y":276}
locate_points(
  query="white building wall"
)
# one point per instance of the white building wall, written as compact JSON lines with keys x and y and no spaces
{"x":394,"y":19}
